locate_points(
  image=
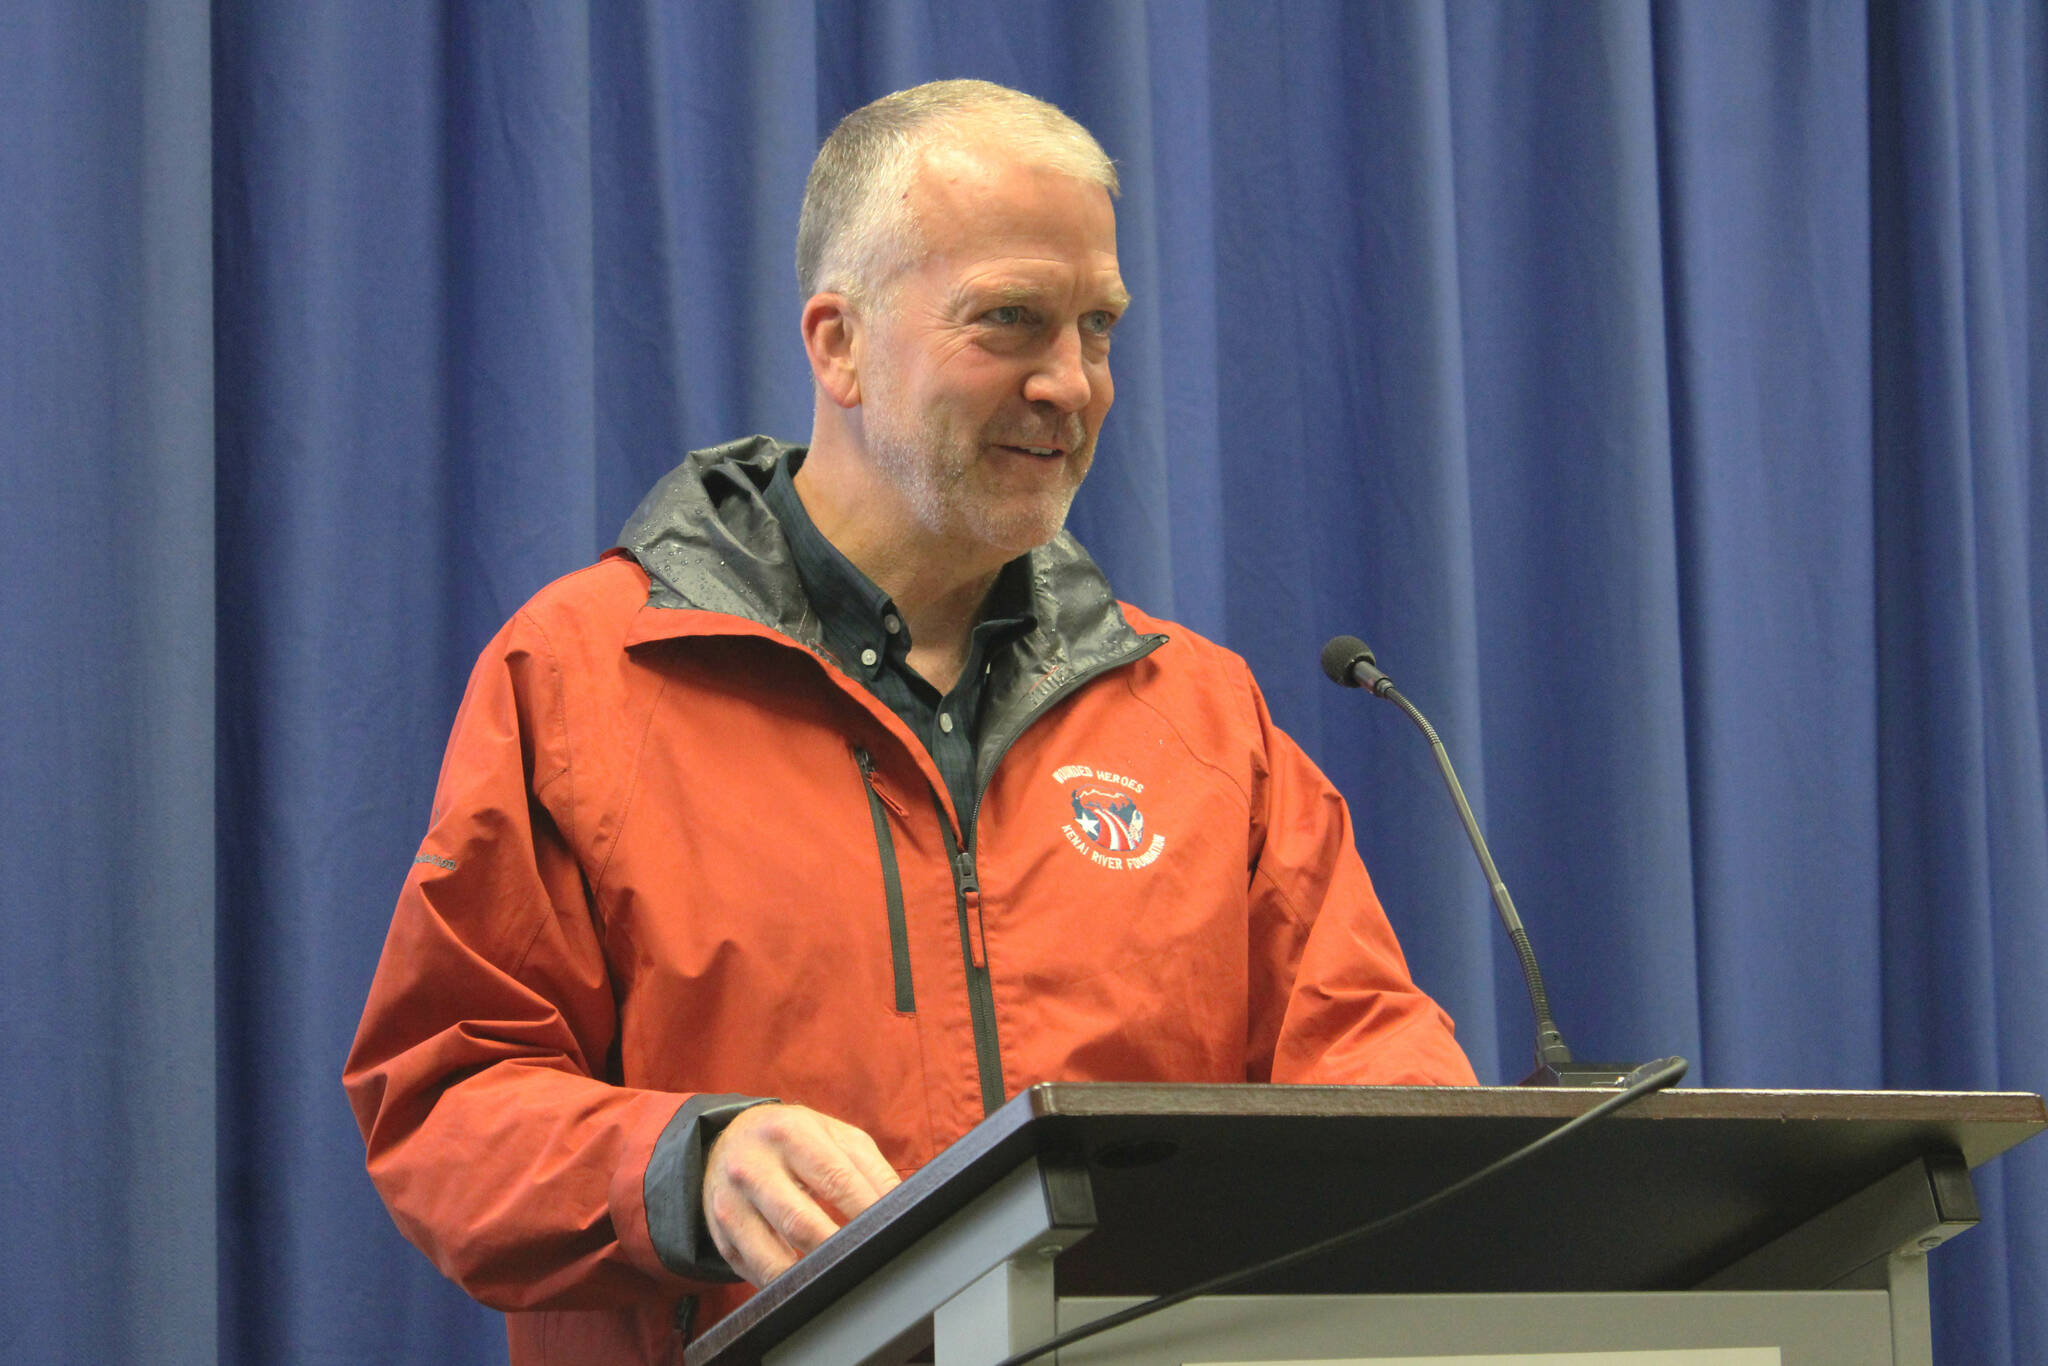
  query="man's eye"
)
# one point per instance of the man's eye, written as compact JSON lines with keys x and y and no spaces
{"x":1100,"y":322}
{"x":1009,"y":315}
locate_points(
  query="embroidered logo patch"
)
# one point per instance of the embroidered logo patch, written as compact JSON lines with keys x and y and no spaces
{"x":1108,"y":824}
{"x":1109,"y":818}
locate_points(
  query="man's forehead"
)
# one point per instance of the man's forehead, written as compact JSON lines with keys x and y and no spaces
{"x":968,"y":152}
{"x":960,"y":175}
{"x":993,"y":203}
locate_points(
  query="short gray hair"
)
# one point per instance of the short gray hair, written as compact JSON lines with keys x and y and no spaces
{"x":858,"y":229}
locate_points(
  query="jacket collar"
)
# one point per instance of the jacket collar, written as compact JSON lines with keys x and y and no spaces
{"x":710,"y":543}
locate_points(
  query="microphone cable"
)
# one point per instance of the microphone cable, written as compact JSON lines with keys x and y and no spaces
{"x":1651,"y":1076}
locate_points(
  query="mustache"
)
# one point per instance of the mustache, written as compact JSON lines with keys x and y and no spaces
{"x":1069,"y":435}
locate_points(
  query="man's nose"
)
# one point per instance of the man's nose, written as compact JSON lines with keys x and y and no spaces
{"x":1061,"y":377}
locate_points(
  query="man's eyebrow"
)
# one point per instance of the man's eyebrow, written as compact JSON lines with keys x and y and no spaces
{"x":1016,"y":293}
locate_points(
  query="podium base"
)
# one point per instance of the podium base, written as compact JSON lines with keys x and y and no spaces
{"x":1608,"y":1075}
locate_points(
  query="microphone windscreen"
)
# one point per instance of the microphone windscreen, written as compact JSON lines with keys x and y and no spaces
{"x":1341,"y":656}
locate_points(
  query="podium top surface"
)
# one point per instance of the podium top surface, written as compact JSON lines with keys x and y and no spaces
{"x":1193,"y":1180}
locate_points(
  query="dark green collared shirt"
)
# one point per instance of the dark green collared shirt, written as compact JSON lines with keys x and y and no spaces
{"x":871,"y":641}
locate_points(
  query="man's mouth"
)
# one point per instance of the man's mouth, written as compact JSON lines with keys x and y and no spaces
{"x":1041,"y":452}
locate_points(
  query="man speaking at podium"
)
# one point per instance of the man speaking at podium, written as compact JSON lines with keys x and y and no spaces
{"x":842,"y":800}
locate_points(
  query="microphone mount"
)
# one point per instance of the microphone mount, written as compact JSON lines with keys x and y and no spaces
{"x":1349,"y":661}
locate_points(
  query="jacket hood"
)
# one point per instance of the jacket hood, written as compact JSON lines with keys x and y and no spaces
{"x":709,"y":541}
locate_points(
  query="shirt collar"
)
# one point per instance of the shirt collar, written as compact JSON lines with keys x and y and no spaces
{"x":862,"y":627}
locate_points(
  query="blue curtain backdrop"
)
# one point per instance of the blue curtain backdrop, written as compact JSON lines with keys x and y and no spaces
{"x":1662,"y":388}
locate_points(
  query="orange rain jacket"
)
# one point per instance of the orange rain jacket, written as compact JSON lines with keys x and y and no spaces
{"x":675,"y":849}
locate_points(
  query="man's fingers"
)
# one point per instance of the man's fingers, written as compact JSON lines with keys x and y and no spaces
{"x":759,"y":1165}
{"x":776,"y":1185}
{"x":867,"y":1159}
{"x":781,"y":1179}
{"x":824,"y":1156}
{"x":790,"y":1210}
{"x":831,"y":1176}
{"x":749,"y":1246}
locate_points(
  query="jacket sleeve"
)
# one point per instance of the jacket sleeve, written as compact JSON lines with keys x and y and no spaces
{"x":481,"y":1074}
{"x":1339,"y":1004}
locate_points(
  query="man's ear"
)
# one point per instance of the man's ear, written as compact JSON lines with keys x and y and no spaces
{"x":832,"y":336}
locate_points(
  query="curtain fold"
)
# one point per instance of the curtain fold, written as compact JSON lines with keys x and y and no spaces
{"x":1661,"y":388}
{"x":1956,"y":206}
{"x":107,"y":966}
{"x":1765,"y":141}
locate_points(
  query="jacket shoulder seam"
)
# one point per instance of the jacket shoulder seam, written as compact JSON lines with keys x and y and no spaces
{"x":564,"y":820}
{"x":1130,"y":687}
{"x":629,"y":791}
{"x":1295,"y":911}
{"x":560,"y":718}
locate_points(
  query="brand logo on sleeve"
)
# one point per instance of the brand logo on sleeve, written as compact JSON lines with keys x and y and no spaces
{"x":1108,"y":824}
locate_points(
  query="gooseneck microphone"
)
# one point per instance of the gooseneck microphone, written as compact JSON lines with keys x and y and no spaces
{"x":1349,"y":661}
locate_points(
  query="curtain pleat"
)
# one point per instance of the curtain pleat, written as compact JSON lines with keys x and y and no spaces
{"x":107,"y":687}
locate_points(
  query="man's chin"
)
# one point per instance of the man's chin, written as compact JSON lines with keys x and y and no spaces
{"x":1029,"y":518}
{"x":1021,"y":532}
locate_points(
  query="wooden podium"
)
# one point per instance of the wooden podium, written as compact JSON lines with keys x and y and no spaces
{"x":1695,"y":1228}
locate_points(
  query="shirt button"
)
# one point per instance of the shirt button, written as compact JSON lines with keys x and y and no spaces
{"x":868,"y":658}
{"x":891,"y":624}
{"x":946,"y":722}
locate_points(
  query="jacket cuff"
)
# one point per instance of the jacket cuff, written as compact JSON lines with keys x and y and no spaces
{"x":673,"y":1189}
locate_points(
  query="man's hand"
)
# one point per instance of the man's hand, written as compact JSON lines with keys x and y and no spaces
{"x":780,"y":1180}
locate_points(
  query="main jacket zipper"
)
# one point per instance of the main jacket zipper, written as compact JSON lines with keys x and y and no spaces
{"x":981,"y":1001}
{"x":892,"y":884}
{"x":981,"y":997}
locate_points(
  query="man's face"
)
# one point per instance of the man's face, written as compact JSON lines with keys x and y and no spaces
{"x":984,"y":373}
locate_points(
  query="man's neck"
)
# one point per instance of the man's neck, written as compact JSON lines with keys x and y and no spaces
{"x":940,"y":590}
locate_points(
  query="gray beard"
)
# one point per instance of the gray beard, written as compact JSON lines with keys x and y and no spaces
{"x":931,"y":465}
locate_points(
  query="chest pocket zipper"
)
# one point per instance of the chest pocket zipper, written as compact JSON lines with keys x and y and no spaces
{"x":892,"y":883}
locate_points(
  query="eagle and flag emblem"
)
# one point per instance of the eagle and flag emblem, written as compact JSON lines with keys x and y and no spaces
{"x":1110,"y":819}
{"x":1108,"y":825}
